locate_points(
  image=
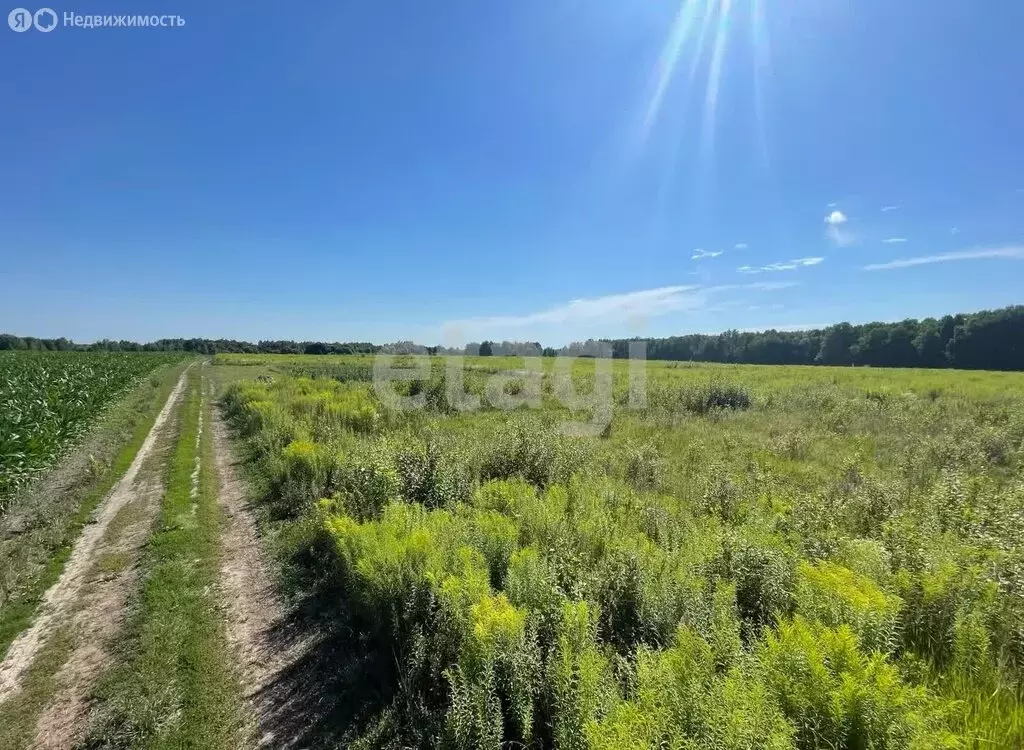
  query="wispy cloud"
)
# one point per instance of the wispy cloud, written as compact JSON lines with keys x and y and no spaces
{"x":647,"y":302}
{"x":741,"y":246}
{"x":886,"y":209}
{"x":835,"y":228}
{"x":954,"y":230}
{"x":698,"y":254}
{"x":786,"y":265}
{"x":771,"y":286}
{"x":787,"y":327}
{"x":608,"y":310}
{"x":894,"y":240}
{"x":1013,"y":252}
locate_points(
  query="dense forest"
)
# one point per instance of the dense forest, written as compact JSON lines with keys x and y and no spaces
{"x":987,"y":340}
{"x":199,"y":346}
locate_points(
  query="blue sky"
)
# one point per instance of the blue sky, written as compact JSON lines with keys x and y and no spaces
{"x":539,"y":169}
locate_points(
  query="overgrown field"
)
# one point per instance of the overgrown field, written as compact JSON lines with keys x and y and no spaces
{"x":756,"y":558}
{"x":48,"y":398}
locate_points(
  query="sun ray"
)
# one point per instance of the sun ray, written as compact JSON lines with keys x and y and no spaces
{"x":762,"y":64}
{"x":715,"y":77}
{"x":710,"y":8}
{"x":683,"y":28}
{"x":669,"y":59}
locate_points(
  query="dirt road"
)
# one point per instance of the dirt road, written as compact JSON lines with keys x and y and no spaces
{"x":61,"y":597}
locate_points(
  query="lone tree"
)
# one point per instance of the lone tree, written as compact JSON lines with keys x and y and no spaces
{"x":486,"y":349}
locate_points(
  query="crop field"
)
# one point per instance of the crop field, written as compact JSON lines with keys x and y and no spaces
{"x":48,"y":399}
{"x":732,"y":557}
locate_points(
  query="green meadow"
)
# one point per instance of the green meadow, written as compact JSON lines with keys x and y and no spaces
{"x":736,"y":557}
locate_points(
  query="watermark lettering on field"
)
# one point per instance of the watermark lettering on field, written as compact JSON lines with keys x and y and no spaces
{"x":583,"y":385}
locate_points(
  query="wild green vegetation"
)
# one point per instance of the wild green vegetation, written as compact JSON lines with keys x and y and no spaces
{"x":48,"y":398}
{"x":777,"y":557}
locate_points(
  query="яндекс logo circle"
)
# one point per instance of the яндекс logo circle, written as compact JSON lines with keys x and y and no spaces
{"x":19,"y":19}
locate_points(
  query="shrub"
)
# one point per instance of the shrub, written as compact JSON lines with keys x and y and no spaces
{"x":496,"y":682}
{"x":681,"y":701}
{"x":836,"y":696}
{"x":716,"y":395}
{"x":937,"y":602}
{"x":271,"y":426}
{"x":352,"y":409}
{"x":867,"y":557}
{"x":763,"y":569}
{"x":702,"y":399}
{"x":579,"y":681}
{"x":430,"y":476}
{"x":495,"y":536}
{"x":722,"y":497}
{"x":530,"y":584}
{"x":620,"y":597}
{"x":834,"y":596}
{"x":366,"y":485}
{"x":505,"y":496}
{"x":522,"y":451}
{"x":643,"y":466}
{"x":305,"y":472}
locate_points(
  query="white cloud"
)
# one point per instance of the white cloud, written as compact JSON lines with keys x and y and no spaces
{"x":1016,"y":253}
{"x":833,"y":204}
{"x":647,"y":302}
{"x":741,"y":245}
{"x":772,"y":286}
{"x":787,"y":327}
{"x":886,"y":209}
{"x":607,"y":310}
{"x":954,"y":230}
{"x":786,"y":265}
{"x":894,"y":240}
{"x":698,"y":254}
{"x":835,"y":228}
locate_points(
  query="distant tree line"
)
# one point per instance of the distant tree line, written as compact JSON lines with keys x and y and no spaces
{"x":987,"y":340}
{"x":198,"y":346}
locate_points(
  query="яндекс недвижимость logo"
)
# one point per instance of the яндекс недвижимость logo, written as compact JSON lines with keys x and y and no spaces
{"x":46,"y":20}
{"x":21,"y":19}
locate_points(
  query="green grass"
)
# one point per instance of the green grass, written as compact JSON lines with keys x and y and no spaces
{"x":792,"y":557}
{"x":19,"y":714}
{"x":35,"y":559}
{"x":173,"y":685}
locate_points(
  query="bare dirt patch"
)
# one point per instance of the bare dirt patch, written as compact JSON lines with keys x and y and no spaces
{"x":59,"y":602}
{"x":267,"y":648}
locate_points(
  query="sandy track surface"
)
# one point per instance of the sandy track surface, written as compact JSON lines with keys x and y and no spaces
{"x":100,"y":612}
{"x":60,"y":600}
{"x":257,"y":623}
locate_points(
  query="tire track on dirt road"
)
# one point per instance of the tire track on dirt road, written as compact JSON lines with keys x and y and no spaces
{"x":257,"y":620}
{"x":100,"y":613}
{"x":60,"y":599}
